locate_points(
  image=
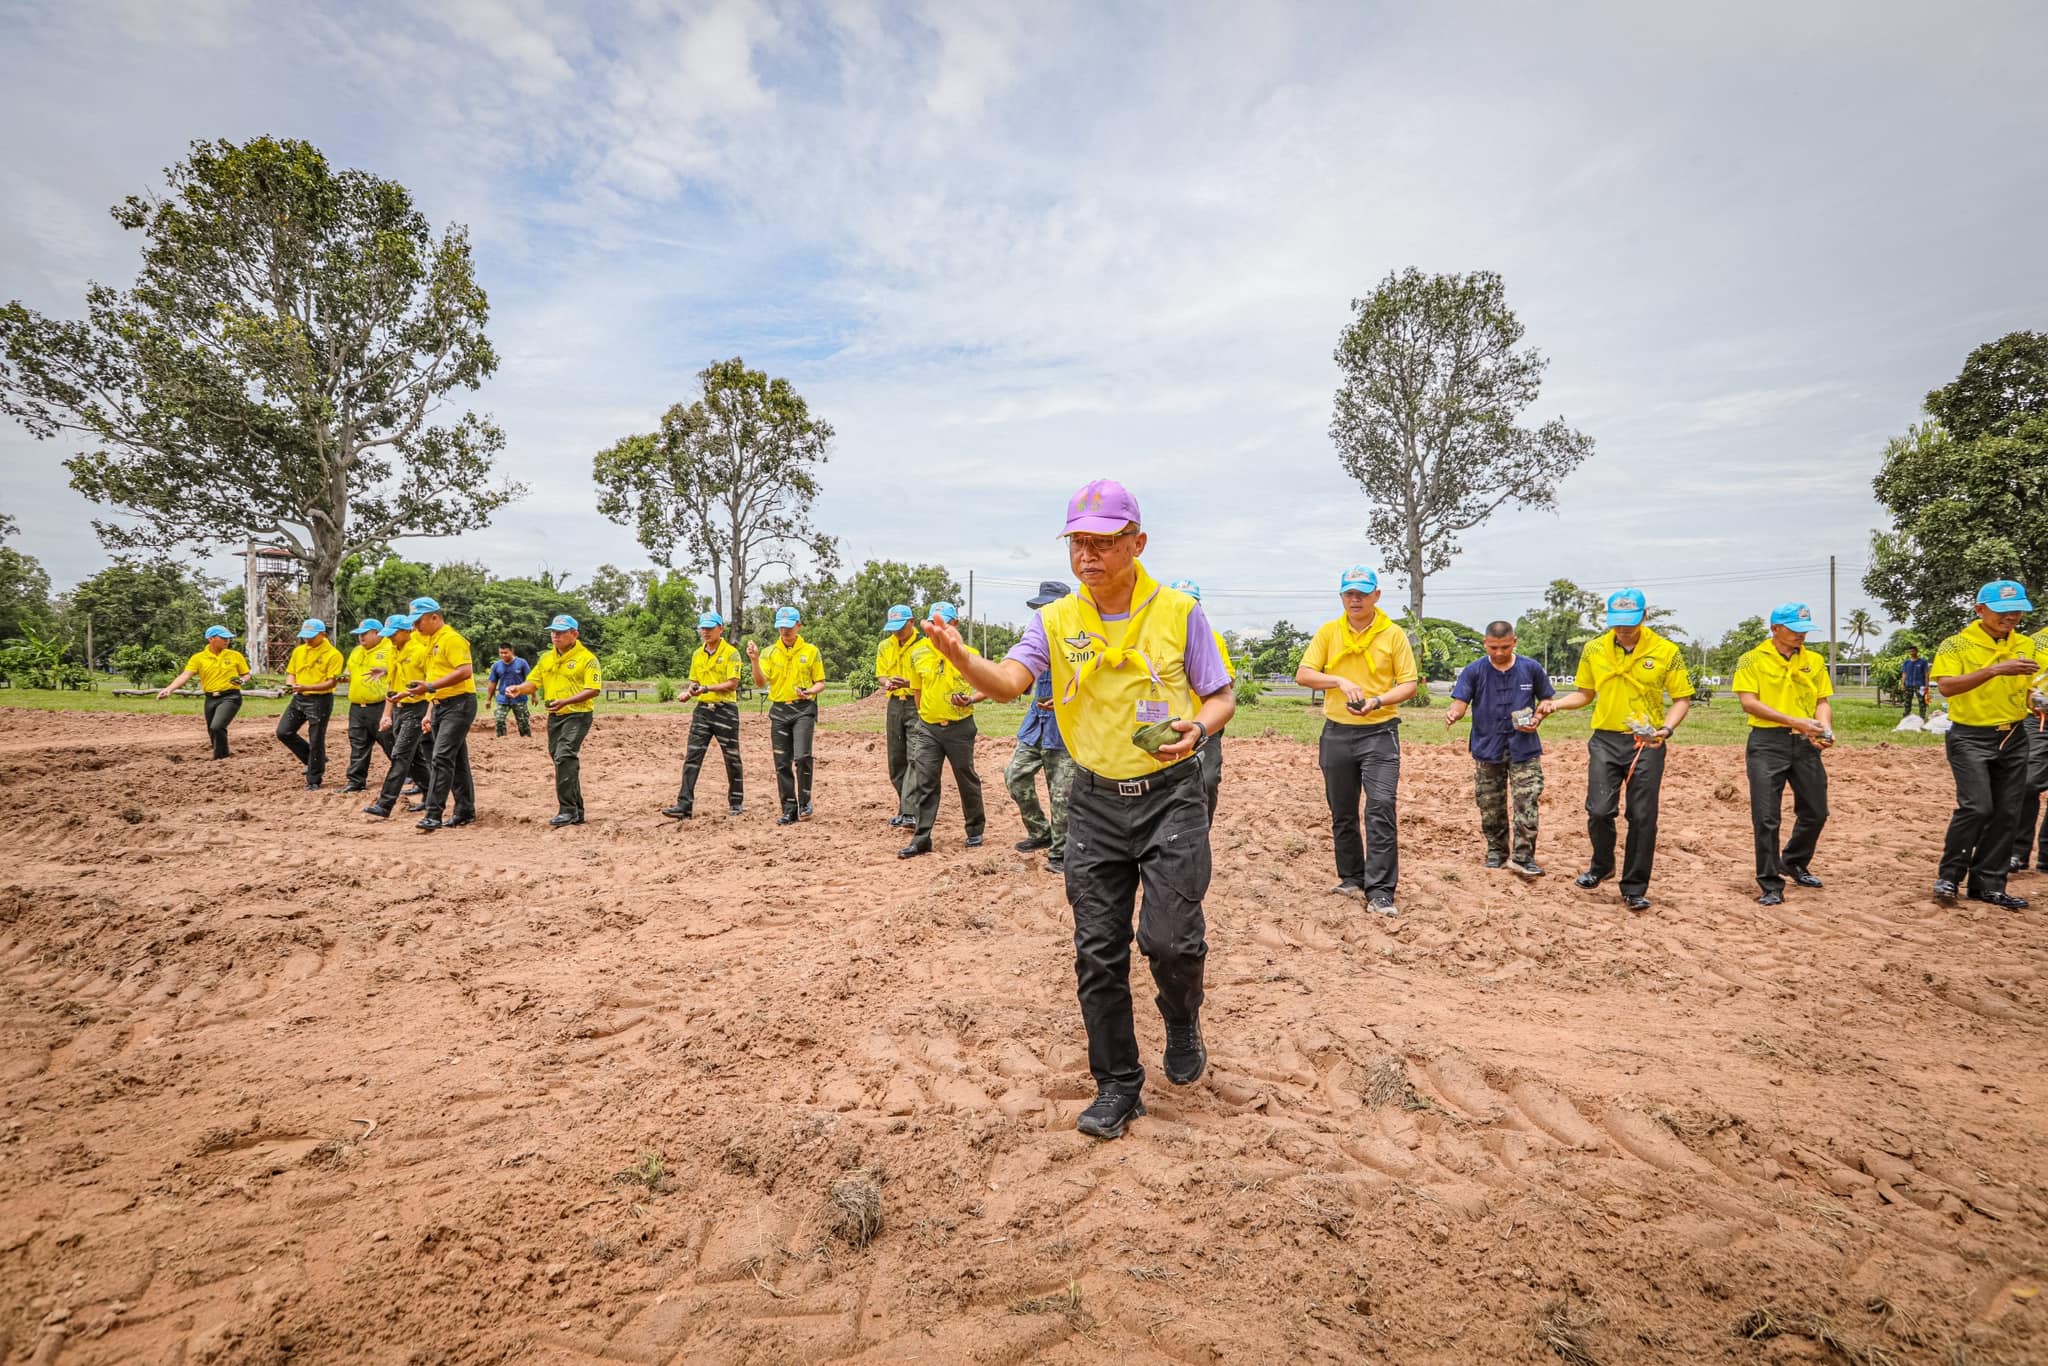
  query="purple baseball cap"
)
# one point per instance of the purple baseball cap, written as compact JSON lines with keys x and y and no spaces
{"x":1103,"y":507}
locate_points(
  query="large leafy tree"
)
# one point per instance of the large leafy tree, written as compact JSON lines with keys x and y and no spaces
{"x":726,"y":486}
{"x":278,"y":370}
{"x":1426,"y":418}
{"x":143,"y":605}
{"x":1967,"y":491}
{"x":24,"y":590}
{"x":844,"y":619}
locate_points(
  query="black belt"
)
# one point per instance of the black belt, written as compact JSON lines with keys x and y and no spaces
{"x":956,"y":721}
{"x":1138,"y":787}
{"x":226,"y":692}
{"x":1983,"y":730}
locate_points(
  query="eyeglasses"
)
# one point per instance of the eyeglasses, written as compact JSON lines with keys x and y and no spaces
{"x":1096,"y":545}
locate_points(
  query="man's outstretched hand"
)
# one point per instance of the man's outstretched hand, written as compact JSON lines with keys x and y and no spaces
{"x":944,"y":637}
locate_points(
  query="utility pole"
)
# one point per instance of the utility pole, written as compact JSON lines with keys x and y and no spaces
{"x":88,"y":642}
{"x":971,"y":619}
{"x":1831,"y":619}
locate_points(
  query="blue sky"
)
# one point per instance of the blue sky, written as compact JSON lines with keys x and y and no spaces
{"x":1004,"y":249}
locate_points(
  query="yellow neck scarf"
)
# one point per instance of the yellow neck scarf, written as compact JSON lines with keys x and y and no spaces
{"x":1114,"y":656}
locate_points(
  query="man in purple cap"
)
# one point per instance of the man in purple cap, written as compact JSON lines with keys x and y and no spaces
{"x":1137,"y":688}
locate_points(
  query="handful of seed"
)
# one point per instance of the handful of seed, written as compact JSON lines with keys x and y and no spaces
{"x":2037,"y":699}
{"x":1643,"y":729}
{"x":1524,"y":718}
{"x":1154,"y":737}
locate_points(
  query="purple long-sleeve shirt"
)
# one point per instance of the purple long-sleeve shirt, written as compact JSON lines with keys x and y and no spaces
{"x":1206,"y":671}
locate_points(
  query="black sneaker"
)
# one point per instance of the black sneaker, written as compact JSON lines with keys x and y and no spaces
{"x":914,"y":848}
{"x":1495,"y":861}
{"x":805,"y":813}
{"x":312,"y":784}
{"x":974,"y":841}
{"x":1805,"y":879}
{"x":1186,"y":1057}
{"x":2015,"y":865}
{"x":1944,"y":891}
{"x":413,"y":789}
{"x":564,"y":818}
{"x":786,"y":818}
{"x":902,"y":822}
{"x":1383,"y":902}
{"x":1350,"y":889}
{"x":1527,"y":867}
{"x":736,"y":811}
{"x":1589,"y":879}
{"x":1771,"y":899}
{"x":1056,"y":865}
{"x":377,"y":809}
{"x":1028,"y":846}
{"x":678,"y":811}
{"x":1109,"y":1113}
{"x":353,"y":787}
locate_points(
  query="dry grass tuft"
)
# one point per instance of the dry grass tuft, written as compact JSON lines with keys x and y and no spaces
{"x":1557,"y":1329}
{"x":854,"y":1206}
{"x":1762,"y":1324}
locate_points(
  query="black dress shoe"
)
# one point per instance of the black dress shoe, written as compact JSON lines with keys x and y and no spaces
{"x":454,"y":821}
{"x":1589,"y":879}
{"x":1026,"y":846}
{"x":786,"y":818}
{"x":1186,"y":1057}
{"x":415,"y":806}
{"x":1771,"y":899}
{"x":353,"y":787}
{"x":1110,"y":1112}
{"x":1495,"y":861}
{"x":377,"y":809}
{"x":1056,"y":865}
{"x":428,"y":823}
{"x":2001,"y":900}
{"x":974,"y":841}
{"x":1528,"y":868}
{"x":678,"y":811}
{"x":1636,"y":903}
{"x":914,"y":848}
{"x":564,"y":818}
{"x":804,"y":814}
{"x":1805,"y":879}
{"x":1944,"y":890}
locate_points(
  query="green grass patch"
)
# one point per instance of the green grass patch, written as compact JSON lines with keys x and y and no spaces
{"x":103,"y":700}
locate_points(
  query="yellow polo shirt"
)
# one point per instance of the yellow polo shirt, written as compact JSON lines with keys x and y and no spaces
{"x":892,"y":659}
{"x":447,"y":651}
{"x":559,"y":673}
{"x":937,"y":680}
{"x":719,"y":666}
{"x":1378,"y":659}
{"x":362,"y":689}
{"x":1627,"y":683}
{"x":313,"y":663}
{"x":789,"y":669}
{"x":1997,"y":702}
{"x":217,"y":672}
{"x":1793,"y":686}
{"x":408,"y":664}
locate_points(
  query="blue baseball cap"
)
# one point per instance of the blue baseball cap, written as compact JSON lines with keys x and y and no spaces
{"x":1627,"y":608}
{"x":2004,"y":595}
{"x":421,"y":606}
{"x":708,"y":620}
{"x":945,"y":611}
{"x":563,"y":622}
{"x":1189,"y":587}
{"x":1359,"y":578}
{"x":368,"y":624}
{"x":313,"y":627}
{"x":1793,"y":616}
{"x":394,"y":624}
{"x":787,"y":616}
{"x":899,"y":617}
{"x":219,"y":633}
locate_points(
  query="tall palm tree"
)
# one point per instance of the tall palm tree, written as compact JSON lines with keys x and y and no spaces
{"x":1859,"y":626}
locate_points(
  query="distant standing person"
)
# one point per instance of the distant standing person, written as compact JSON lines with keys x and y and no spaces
{"x":1041,"y":750}
{"x":1913,"y":680}
{"x":508,"y":671}
{"x":222,"y":673}
{"x":312,"y":673}
{"x":1624,"y":674}
{"x":2036,"y":726}
{"x":894,"y":676}
{"x":369,"y":683}
{"x":1366,"y":668}
{"x":944,"y":736}
{"x":568,"y":679}
{"x":1212,"y":753}
{"x":1501,"y":691}
{"x":1985,"y":671}
{"x":793,"y":672}
{"x":451,"y":710}
{"x":411,"y":747}
{"x":715,"y":684}
{"x":1786,"y":690}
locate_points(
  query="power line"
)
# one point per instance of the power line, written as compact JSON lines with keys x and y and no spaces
{"x":1759,"y":574}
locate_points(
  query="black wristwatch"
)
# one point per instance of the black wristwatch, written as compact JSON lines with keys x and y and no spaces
{"x":1196,"y":722}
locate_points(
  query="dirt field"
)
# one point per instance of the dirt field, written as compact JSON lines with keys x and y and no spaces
{"x":280,"y":1082}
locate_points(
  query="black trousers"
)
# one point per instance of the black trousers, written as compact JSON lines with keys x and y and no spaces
{"x":1158,"y":839}
{"x":453,"y":717}
{"x":1990,"y":766}
{"x":790,"y":727}
{"x":566,"y":734}
{"x":220,"y":709}
{"x":1211,"y":755}
{"x":718,"y":721}
{"x":1364,"y":759}
{"x":2023,"y":841}
{"x":363,"y":738}
{"x":412,"y":752}
{"x":901,"y":722}
{"x":932,"y":748}
{"x":310,"y":712}
{"x":1609,"y":755}
{"x":1775,"y":759}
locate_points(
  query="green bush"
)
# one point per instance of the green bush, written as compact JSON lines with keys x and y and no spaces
{"x":1249,"y":690}
{"x":1885,"y":672}
{"x":147,"y":666}
{"x":860,"y":679}
{"x":664,"y":689}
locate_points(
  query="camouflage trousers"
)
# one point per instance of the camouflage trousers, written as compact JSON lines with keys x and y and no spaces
{"x":1020,"y":777}
{"x":1507,"y":796}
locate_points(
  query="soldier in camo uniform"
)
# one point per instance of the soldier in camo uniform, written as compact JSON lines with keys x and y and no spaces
{"x":1506,"y":694}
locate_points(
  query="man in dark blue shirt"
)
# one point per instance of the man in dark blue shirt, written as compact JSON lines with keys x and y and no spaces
{"x":1040,"y":748}
{"x":508,"y":671}
{"x":1501,"y":691}
{"x":1913,"y":680}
